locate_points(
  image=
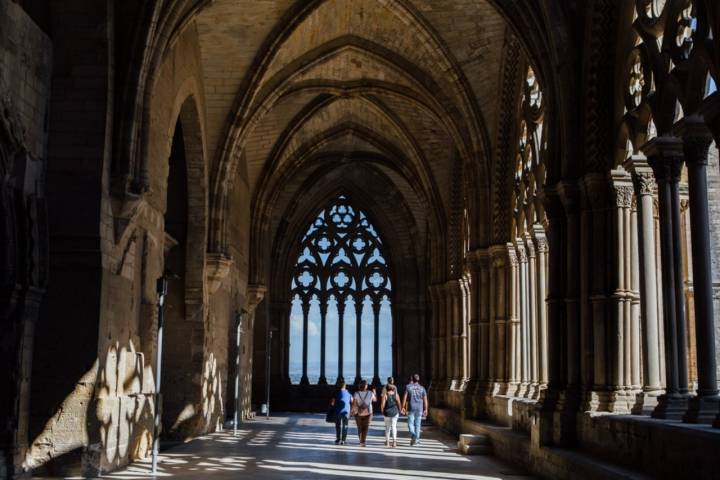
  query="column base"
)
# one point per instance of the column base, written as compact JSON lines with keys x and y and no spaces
{"x":304,"y":380}
{"x":595,"y":400}
{"x":621,"y":401}
{"x":671,"y":406}
{"x":646,"y":401}
{"x":512,"y":389}
{"x":565,"y":417}
{"x":702,"y":409}
{"x":523,"y":390}
{"x":322,"y":380}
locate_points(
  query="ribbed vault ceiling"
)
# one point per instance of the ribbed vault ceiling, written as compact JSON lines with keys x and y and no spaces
{"x":306,"y":96}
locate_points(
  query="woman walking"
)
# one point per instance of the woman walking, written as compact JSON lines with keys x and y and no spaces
{"x":362,"y":408}
{"x":341,"y":403}
{"x":390,"y":407}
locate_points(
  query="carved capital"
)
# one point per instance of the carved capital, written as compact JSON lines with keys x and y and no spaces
{"x":512,"y":254}
{"x":217,"y":267}
{"x":696,"y":139}
{"x":255,"y":295}
{"x":665,"y":157}
{"x":623,"y":195}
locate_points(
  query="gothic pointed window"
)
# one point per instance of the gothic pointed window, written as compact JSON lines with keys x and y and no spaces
{"x":340,"y":318}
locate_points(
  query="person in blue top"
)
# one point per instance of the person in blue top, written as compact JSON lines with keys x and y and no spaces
{"x":415,"y":404}
{"x":342,"y":401}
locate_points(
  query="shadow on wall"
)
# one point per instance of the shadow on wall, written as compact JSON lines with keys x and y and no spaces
{"x":106,"y":421}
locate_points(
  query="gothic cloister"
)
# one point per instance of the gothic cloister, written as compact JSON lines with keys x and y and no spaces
{"x":209,"y":206}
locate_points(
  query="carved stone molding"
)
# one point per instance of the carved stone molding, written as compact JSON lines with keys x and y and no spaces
{"x":217,"y":267}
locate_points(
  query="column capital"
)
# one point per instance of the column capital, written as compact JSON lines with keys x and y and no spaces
{"x":569,"y":193}
{"x":696,"y":139}
{"x":665,"y":157}
{"x":530,"y":244}
{"x":622,"y":187}
{"x":512,"y":254}
{"x":538,"y":233}
{"x":521,"y":250}
{"x":642,"y":174}
{"x":595,"y":191}
{"x":255,"y":295}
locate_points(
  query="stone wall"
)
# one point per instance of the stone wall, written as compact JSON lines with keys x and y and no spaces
{"x":25,"y":79}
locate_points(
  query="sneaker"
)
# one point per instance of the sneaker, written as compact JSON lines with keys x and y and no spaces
{"x":417,"y":442}
{"x":337,"y":442}
{"x":412,"y":442}
{"x":387,"y":443}
{"x":342,"y":442}
{"x":362,"y":444}
{"x":394,"y":443}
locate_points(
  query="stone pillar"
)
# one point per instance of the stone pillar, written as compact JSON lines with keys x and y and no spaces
{"x":532,"y":309}
{"x":665,"y":158}
{"x":376,"y":343}
{"x":305,"y":313}
{"x":483,"y":348}
{"x":704,"y":406}
{"x":358,"y":339}
{"x":570,"y":197}
{"x":323,"y":335}
{"x":522,"y":306}
{"x":644,"y":183}
{"x":513,"y":333}
{"x":621,"y":324}
{"x":498,"y":316}
{"x":542,"y":326}
{"x":543,"y":430}
{"x":434,"y":353}
{"x":595,"y":279}
{"x":341,"y":338}
{"x":635,"y":350}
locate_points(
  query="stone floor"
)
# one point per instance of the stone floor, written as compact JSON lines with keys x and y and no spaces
{"x":302,"y":447}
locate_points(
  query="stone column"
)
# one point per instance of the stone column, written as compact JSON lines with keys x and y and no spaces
{"x":434,"y":363}
{"x":644,"y":182}
{"x":522,"y":305}
{"x":323,"y":336}
{"x":597,"y":270}
{"x":341,"y":338}
{"x":498,"y":337}
{"x":513,"y":334}
{"x":376,"y":342}
{"x":620,"y":333}
{"x":483,"y":348}
{"x":305,"y":313}
{"x":570,"y":197}
{"x":542,"y":327}
{"x":543,"y":430}
{"x":665,"y":158}
{"x":635,"y":349}
{"x":358,"y":339}
{"x":532,"y":287}
{"x":704,"y":406}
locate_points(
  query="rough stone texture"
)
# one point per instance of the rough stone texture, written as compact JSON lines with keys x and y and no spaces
{"x":713,"y":173}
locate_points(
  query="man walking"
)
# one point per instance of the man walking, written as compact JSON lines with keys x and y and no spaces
{"x":418,"y":407}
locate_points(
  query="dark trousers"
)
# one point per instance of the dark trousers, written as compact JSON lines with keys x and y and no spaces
{"x":341,"y":427}
{"x":363,"y":424}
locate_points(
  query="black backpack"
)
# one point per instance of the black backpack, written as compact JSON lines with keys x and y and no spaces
{"x":391,"y":407}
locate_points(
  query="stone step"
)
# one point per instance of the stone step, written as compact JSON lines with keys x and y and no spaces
{"x":469,"y":444}
{"x":474,"y":439}
{"x":476,"y":449}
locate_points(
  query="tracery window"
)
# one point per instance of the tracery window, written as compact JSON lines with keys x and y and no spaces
{"x":340,"y":318}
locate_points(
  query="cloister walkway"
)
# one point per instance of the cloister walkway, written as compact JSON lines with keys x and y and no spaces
{"x":301,"y":446}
